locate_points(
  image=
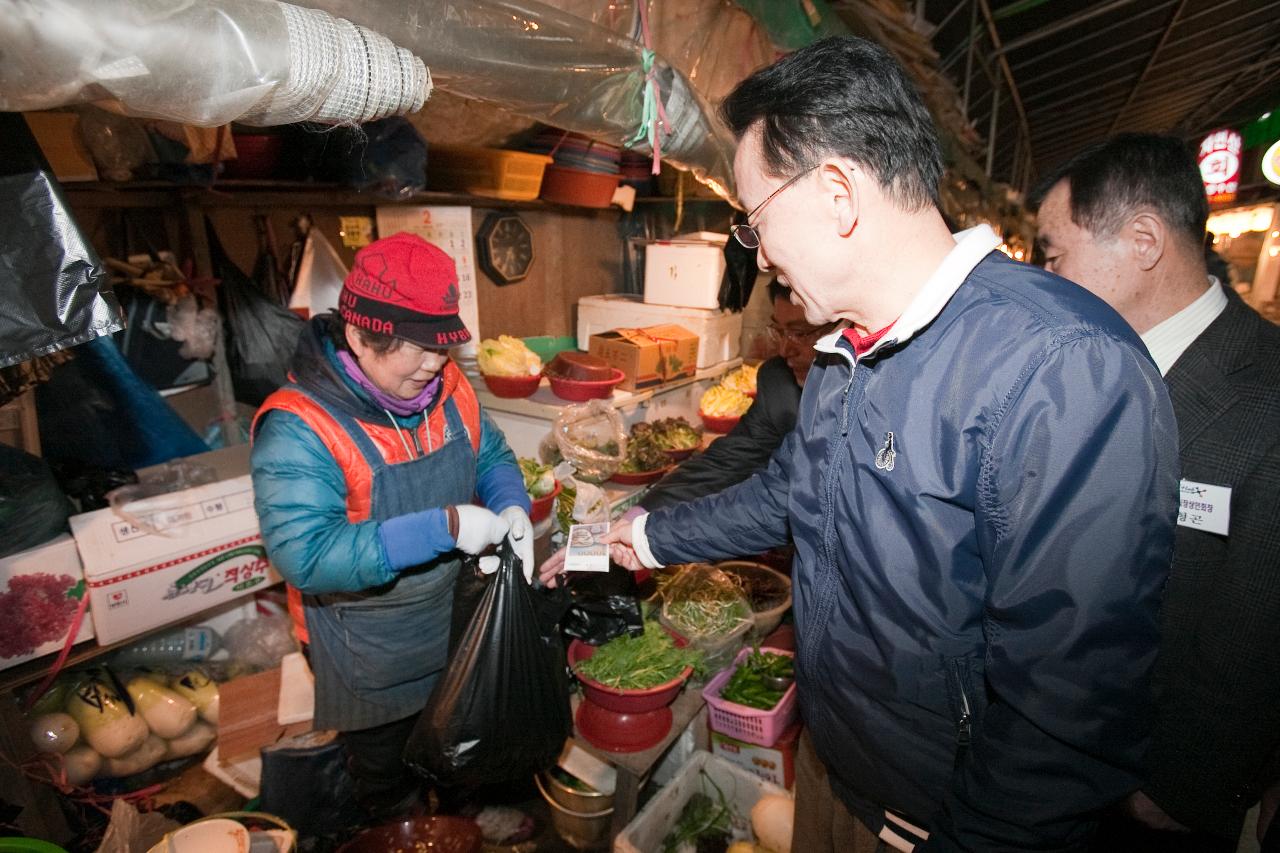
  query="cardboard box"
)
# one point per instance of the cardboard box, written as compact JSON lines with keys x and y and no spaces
{"x":58,"y":135}
{"x":685,"y":270}
{"x":648,"y":356}
{"x":25,"y":577}
{"x":776,"y":764}
{"x":209,"y":552}
{"x":719,"y":332}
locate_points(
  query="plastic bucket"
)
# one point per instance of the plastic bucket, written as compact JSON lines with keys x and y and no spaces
{"x":581,"y":829}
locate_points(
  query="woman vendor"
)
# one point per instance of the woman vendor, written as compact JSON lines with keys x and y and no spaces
{"x":365,"y":467}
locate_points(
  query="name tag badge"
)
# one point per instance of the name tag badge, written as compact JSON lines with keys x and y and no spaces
{"x":1204,"y":507}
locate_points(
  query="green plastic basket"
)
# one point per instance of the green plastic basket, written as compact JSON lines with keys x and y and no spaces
{"x":548,"y":346}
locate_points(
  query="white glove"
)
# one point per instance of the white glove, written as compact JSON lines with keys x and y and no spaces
{"x":478,"y":528}
{"x":520,"y":537}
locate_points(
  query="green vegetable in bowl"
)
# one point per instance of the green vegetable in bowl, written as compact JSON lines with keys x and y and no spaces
{"x":676,"y":434}
{"x":538,"y":479}
{"x":643,"y":452}
{"x":638,"y":663}
{"x":747,"y":685}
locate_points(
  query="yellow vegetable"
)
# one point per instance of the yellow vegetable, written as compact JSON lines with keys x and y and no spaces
{"x":56,"y":732}
{"x":743,"y":379}
{"x":507,"y":356}
{"x":81,"y":764}
{"x":201,"y":691}
{"x":772,"y":819}
{"x":104,"y":719}
{"x":167,"y":713}
{"x":722,"y":402}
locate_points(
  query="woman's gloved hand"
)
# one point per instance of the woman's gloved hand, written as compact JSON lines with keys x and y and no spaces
{"x":478,"y":528}
{"x":520,"y":536}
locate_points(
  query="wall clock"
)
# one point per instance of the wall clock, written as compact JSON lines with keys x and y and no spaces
{"x":505,"y":247}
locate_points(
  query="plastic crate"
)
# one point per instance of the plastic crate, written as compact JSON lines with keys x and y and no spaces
{"x":762,"y":728}
{"x":489,"y":172}
{"x":741,"y":790}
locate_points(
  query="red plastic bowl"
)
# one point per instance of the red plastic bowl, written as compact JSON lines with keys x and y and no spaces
{"x":257,"y":156}
{"x":511,"y":387}
{"x":639,"y":478}
{"x":580,"y":390}
{"x":621,"y":732}
{"x":628,"y":701}
{"x":577,"y":186}
{"x":542,"y":506}
{"x":680,"y":455}
{"x":722,"y":424}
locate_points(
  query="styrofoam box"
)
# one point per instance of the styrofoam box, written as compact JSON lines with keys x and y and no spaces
{"x":685,"y":270}
{"x":741,"y":790}
{"x":59,"y":559}
{"x":210,"y":552}
{"x":719,"y":332}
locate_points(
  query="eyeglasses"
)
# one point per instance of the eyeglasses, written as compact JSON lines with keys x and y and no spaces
{"x":747,"y":234}
{"x":777,"y":334}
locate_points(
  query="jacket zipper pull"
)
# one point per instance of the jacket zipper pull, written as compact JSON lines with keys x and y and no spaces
{"x":964,"y":726}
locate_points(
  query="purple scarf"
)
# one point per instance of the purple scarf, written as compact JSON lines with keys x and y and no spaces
{"x":395,"y":405}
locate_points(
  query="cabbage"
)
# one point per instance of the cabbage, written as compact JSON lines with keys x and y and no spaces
{"x":508,"y":356}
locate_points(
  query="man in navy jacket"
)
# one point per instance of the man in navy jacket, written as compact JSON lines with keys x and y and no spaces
{"x":981,"y":486}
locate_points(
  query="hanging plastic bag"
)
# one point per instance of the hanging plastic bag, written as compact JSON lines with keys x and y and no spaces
{"x":261,"y":334}
{"x":501,"y":709}
{"x":592,"y":438}
{"x":54,"y":289}
{"x":33,"y":509}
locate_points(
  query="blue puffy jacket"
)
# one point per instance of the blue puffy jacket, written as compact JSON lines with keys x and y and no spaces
{"x":300,"y":491}
{"x":975,"y":599}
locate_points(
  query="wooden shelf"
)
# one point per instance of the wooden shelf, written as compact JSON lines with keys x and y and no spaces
{"x":229,"y":193}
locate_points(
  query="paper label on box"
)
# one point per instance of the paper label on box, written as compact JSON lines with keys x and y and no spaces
{"x":586,"y":552}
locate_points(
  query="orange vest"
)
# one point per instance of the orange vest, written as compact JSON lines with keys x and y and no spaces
{"x":343,"y":449}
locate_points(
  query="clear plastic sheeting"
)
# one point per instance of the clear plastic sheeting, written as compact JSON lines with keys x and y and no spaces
{"x":204,"y":63}
{"x":714,"y":44}
{"x":554,"y":67}
{"x":54,"y":291}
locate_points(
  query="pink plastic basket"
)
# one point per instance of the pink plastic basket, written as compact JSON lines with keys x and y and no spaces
{"x":762,"y":728}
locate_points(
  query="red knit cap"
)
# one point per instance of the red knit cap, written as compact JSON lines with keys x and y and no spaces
{"x":407,"y":288}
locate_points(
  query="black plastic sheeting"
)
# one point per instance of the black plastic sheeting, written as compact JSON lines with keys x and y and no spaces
{"x":500,"y":711}
{"x":54,"y":290}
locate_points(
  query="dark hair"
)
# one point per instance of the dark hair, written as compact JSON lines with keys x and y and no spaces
{"x":1111,"y":179}
{"x":778,"y":291}
{"x":376,"y":341}
{"x":848,"y":97}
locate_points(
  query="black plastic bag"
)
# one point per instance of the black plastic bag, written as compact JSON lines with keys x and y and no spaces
{"x":500,"y":711}
{"x":33,"y":509}
{"x":54,"y":289}
{"x":602,"y":607}
{"x":261,"y":334}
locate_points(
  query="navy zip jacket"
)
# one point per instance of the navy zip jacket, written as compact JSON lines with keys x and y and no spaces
{"x":975,"y":598}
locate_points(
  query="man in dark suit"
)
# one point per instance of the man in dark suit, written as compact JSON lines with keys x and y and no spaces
{"x":748,"y":446}
{"x":1126,"y":219}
